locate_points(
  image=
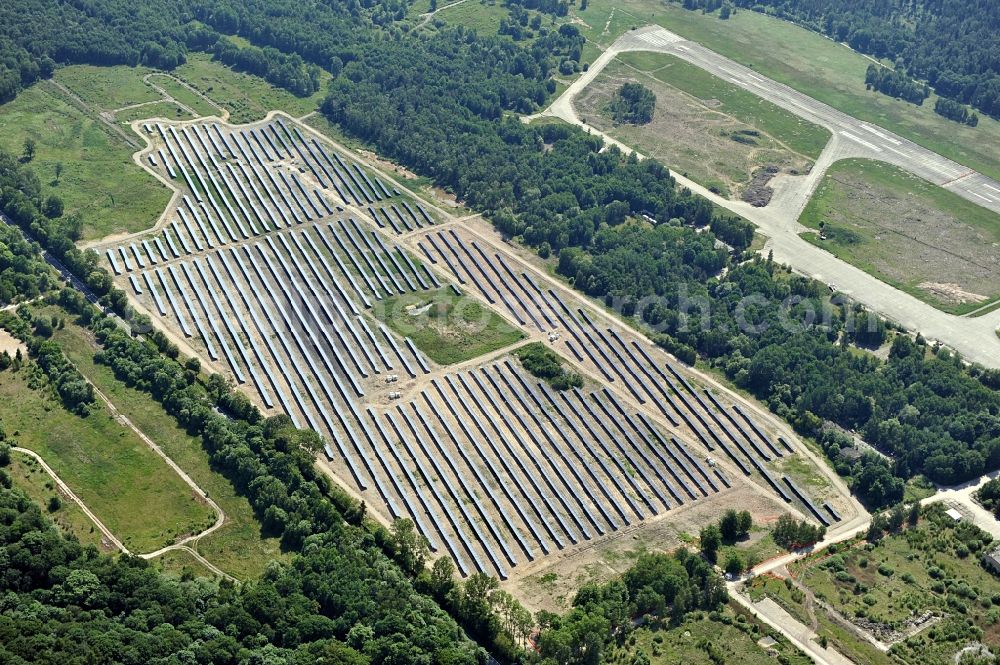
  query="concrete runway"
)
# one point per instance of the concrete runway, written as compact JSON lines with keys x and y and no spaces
{"x":974,"y":338}
{"x":864,"y":139}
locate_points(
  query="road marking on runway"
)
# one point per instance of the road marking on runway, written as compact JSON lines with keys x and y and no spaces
{"x":956,"y":171}
{"x":879,"y":134}
{"x":755,"y":78}
{"x":660,"y":38}
{"x":991,"y":187}
{"x":898,"y":152}
{"x":795,"y":103}
{"x":754,"y":83}
{"x":683,"y":48}
{"x":737,"y":81}
{"x":985,"y":198}
{"x":863,"y":142}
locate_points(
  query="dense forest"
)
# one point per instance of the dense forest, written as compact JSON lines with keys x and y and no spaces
{"x":443,"y":105}
{"x":951,"y":44}
{"x":67,"y":603}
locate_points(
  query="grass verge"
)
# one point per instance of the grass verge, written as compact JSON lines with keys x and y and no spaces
{"x":908,"y":232}
{"x":448,"y":328}
{"x":99,"y":179}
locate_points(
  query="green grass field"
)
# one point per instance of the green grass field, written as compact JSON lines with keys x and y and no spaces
{"x":167,"y":110}
{"x":238,"y":547}
{"x":483,"y":16}
{"x":795,"y":133}
{"x":99,"y":179}
{"x":806,"y":61}
{"x":180,"y":564}
{"x":448,"y":328}
{"x":28,"y":476}
{"x":107,"y":88}
{"x":907,"y":232}
{"x":125,"y":483}
{"x":246,"y":97}
{"x":183,"y":95}
{"x":732,"y":638}
{"x":930,"y":567}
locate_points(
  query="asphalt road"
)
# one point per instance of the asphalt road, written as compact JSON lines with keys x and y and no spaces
{"x":960,"y":496}
{"x":974,"y":338}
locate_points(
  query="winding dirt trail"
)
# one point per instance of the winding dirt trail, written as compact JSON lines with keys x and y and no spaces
{"x":183,"y":544}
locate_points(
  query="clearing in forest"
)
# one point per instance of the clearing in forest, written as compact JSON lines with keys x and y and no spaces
{"x":96,"y":175}
{"x":137,"y":496}
{"x":711,"y":131}
{"x":910,"y":233}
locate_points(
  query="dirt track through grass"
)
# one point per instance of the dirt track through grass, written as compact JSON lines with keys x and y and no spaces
{"x":99,"y":179}
{"x":133,"y":491}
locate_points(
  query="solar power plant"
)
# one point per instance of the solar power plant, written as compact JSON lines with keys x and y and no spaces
{"x":271,"y":265}
{"x":612,"y":354}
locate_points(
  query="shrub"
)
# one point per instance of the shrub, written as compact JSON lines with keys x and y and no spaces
{"x":633,"y":104}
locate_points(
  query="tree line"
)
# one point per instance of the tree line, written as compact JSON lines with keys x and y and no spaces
{"x":956,"y":111}
{"x":68,"y":603}
{"x":950,"y":45}
{"x":75,"y":392}
{"x":895,"y":83}
{"x":284,"y":71}
{"x":38,"y":35}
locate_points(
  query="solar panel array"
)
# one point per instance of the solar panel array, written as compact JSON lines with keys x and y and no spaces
{"x":273,"y":282}
{"x":616,"y":355}
{"x":516,"y":470}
